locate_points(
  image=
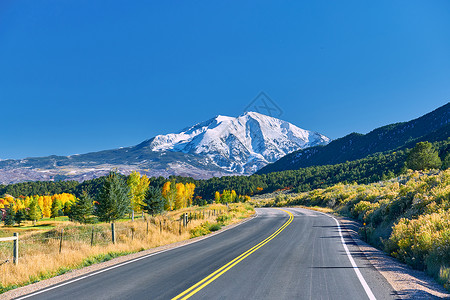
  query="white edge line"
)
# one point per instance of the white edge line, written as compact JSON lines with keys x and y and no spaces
{"x":352,"y":261}
{"x":128,"y":262}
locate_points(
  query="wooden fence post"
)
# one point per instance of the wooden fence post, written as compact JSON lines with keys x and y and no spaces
{"x":113,"y":234}
{"x":92,"y":237}
{"x":16,"y":248}
{"x":60,"y":240}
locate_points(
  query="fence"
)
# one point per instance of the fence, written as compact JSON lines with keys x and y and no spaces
{"x":104,"y":235}
{"x":15,"y":240}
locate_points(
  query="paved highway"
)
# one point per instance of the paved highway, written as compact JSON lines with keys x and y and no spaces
{"x":291,"y":253}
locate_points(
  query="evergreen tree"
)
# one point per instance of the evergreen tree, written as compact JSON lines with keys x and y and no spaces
{"x":56,"y":209}
{"x":423,"y":156}
{"x":34,"y":214}
{"x":446,"y":161}
{"x":154,"y":202}
{"x":10,"y":216}
{"x":82,"y":209}
{"x":19,"y":217}
{"x":113,"y":199}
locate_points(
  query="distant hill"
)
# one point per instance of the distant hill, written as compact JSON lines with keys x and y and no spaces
{"x":433,"y":126}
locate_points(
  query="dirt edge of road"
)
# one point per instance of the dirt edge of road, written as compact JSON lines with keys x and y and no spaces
{"x":407,"y":282}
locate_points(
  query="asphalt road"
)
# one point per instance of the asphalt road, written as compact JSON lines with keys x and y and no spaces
{"x":273,"y":256}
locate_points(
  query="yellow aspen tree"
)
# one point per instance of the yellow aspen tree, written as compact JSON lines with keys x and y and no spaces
{"x":217,"y":197}
{"x":180,"y":200}
{"x":40,"y":200}
{"x":169,"y":193}
{"x":233,"y":196}
{"x":142,"y":189}
{"x":133,"y":182}
{"x":190,"y":188}
{"x":47,"y":206}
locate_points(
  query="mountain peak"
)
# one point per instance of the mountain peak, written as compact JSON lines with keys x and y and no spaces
{"x":240,"y":144}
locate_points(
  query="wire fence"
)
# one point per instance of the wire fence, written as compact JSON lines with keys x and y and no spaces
{"x":102,"y":234}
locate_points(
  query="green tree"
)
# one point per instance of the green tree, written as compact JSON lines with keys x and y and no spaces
{"x":34,"y":214}
{"x":19,"y":217}
{"x":56,"y":209}
{"x":82,"y":209}
{"x":10,"y":216}
{"x":113,"y":199}
{"x":446,"y":161}
{"x":423,"y":156}
{"x":154,"y":202}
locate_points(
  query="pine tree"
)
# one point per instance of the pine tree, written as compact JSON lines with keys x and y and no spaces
{"x":153,"y":202}
{"x":19,"y":217}
{"x":34,"y":214}
{"x":56,"y":209}
{"x":423,"y":157}
{"x":82,"y":209}
{"x":446,"y":161}
{"x":10,"y":216}
{"x":113,"y":198}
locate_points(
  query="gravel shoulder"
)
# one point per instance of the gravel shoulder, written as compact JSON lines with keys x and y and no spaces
{"x":116,"y":261}
{"x":407,"y":282}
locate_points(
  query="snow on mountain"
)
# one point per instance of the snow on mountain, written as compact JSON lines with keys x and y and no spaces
{"x":218,"y":147}
{"x":239,"y":145}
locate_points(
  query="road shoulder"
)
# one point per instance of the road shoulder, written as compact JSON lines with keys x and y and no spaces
{"x":407,"y":282}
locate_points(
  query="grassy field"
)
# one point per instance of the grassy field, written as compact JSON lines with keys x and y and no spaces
{"x":82,"y":245}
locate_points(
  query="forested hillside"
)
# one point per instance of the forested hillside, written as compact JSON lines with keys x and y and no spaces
{"x":431,"y":127}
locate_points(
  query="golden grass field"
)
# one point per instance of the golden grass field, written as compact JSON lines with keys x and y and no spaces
{"x":39,"y":255}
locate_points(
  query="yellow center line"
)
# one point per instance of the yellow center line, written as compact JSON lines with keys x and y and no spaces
{"x":219,"y":272}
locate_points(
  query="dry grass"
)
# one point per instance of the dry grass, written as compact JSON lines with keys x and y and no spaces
{"x":39,"y":255}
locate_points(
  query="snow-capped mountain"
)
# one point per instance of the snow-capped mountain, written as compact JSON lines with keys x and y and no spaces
{"x":239,"y":145}
{"x":217,"y":147}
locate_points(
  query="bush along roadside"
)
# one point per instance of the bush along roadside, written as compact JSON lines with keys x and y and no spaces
{"x":408,"y":216}
{"x":233,"y":213}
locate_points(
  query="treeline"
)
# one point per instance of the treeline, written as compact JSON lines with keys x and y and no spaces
{"x":373,"y":168}
{"x":111,"y":198}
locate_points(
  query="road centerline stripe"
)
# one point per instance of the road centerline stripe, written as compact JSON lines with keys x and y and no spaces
{"x":219,"y":272}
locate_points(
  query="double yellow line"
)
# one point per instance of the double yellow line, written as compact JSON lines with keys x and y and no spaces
{"x":219,"y":272}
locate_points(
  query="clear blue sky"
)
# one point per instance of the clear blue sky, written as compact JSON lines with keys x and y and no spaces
{"x":85,"y":75}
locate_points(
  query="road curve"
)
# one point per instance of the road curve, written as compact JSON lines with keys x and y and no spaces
{"x":280,"y":254}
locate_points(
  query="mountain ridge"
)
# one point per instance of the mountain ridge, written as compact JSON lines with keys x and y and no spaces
{"x":356,"y":145}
